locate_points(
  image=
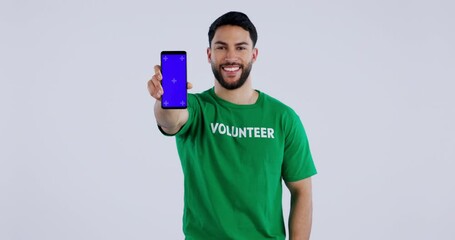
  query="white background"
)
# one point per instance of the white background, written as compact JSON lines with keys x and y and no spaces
{"x":81,"y":157}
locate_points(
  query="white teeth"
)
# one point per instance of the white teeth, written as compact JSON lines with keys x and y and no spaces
{"x":231,"y":69}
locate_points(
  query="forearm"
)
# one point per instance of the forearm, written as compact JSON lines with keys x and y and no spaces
{"x":170,"y":120}
{"x":300,"y":217}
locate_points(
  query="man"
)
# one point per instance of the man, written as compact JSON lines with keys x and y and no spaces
{"x":236,"y":144}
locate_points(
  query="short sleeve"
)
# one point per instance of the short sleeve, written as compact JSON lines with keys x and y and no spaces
{"x":193,"y":110}
{"x":298,"y":162}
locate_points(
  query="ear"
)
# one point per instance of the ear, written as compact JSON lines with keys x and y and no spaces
{"x":209,"y":55}
{"x":255,"y":54}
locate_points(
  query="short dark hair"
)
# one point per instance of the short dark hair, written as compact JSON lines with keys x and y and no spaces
{"x":235,"y":19}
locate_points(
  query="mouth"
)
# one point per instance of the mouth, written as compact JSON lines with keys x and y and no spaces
{"x":231,"y":68}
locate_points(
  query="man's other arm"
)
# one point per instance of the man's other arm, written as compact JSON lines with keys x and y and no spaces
{"x":300,"y":216}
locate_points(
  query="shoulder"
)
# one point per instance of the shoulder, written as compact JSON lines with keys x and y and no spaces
{"x":278,"y":106}
{"x":202,"y":96}
{"x":196,"y":100}
{"x":287,"y":117}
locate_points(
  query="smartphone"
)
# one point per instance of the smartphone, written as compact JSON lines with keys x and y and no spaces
{"x":174,"y":81}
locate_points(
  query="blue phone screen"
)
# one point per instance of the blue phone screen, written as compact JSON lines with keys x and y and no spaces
{"x":173,"y":70}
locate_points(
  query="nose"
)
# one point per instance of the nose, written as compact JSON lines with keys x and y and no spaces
{"x":231,"y":55}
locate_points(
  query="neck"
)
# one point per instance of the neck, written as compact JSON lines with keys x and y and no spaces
{"x":244,"y":95}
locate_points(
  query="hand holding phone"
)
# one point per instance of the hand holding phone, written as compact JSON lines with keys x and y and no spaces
{"x":174,"y":79}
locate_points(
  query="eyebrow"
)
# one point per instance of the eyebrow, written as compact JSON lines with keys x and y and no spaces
{"x":237,"y":44}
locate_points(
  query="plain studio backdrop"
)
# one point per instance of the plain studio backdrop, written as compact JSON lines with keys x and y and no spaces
{"x":82,"y":158}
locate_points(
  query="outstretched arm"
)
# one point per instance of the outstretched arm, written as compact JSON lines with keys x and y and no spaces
{"x":170,"y":120}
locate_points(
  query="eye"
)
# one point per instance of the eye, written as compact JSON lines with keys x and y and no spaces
{"x":220,"y":47}
{"x":241,"y":48}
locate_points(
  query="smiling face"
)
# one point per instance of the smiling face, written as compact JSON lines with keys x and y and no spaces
{"x":231,"y":56}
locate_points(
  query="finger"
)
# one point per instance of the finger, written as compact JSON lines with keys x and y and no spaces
{"x":158,"y":86}
{"x":155,"y":89}
{"x":189,"y":85}
{"x":151,"y":88}
{"x":157,"y":69}
{"x":156,"y":78}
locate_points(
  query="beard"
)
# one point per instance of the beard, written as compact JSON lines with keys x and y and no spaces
{"x":234,"y":85}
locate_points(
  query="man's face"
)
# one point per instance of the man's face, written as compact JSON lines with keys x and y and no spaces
{"x":231,"y":56}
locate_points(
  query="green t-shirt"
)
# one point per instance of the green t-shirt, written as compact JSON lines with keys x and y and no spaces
{"x":233,"y":159}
